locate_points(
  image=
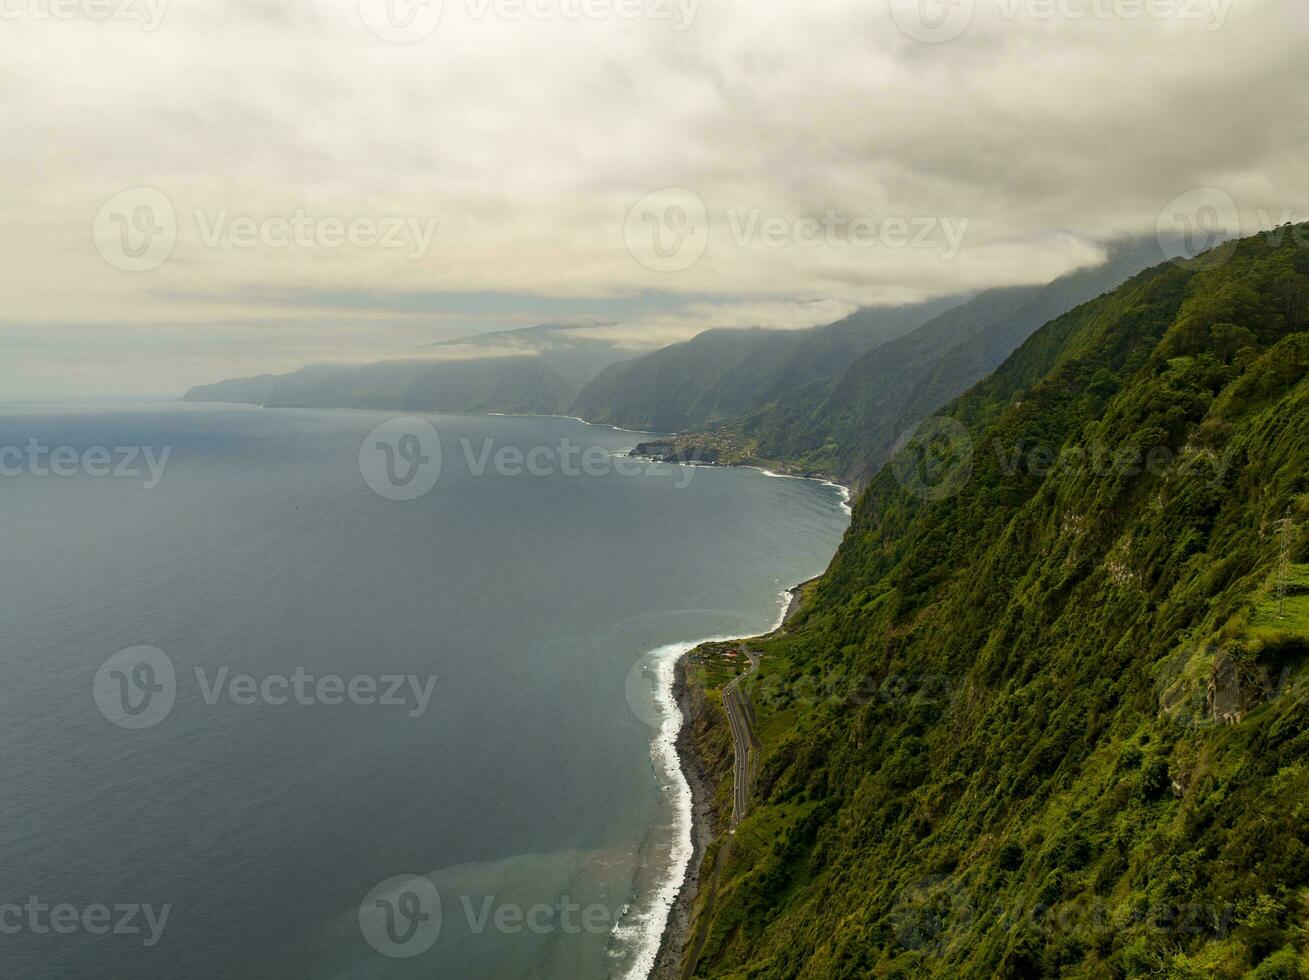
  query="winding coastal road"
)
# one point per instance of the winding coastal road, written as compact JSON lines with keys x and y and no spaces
{"x":744,"y":744}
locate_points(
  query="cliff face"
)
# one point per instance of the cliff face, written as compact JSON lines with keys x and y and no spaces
{"x":705,"y":749}
{"x":1048,"y":712}
{"x":524,"y":385}
{"x":717,"y":374}
{"x":238,"y":391}
{"x":516,"y":385}
{"x":724,"y":374}
{"x":852,"y":428}
{"x":532,"y":371}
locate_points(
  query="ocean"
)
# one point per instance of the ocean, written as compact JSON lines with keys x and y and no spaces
{"x":341,"y":694}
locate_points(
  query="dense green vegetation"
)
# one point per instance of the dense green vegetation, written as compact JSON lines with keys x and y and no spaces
{"x":836,"y":400}
{"x":851,"y":427}
{"x":1048,"y":714}
{"x":723,"y":374}
{"x":714,"y":375}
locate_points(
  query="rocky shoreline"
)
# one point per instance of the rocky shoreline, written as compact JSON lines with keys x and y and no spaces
{"x":704,"y":820}
{"x":690,"y":702}
{"x":679,"y":452}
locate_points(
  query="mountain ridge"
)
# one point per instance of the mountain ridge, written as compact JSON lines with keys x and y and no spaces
{"x":1046,"y":713}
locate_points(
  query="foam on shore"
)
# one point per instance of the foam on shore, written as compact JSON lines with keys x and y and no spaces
{"x":846,"y":494}
{"x":645,"y":931}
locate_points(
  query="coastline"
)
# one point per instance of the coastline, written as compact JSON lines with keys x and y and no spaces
{"x":704,"y":828}
{"x":659,"y":948}
{"x":781,"y":473}
{"x":702,"y":786}
{"x":847,"y":494}
{"x":666,"y":756}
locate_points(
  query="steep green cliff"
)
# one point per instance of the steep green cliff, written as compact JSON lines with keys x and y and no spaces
{"x":851,"y":427}
{"x":1048,"y":712}
{"x":727,"y":373}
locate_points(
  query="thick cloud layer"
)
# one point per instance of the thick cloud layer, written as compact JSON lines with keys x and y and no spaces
{"x":209,"y":189}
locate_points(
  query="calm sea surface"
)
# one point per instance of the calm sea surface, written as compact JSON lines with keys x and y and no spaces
{"x":455,"y":687}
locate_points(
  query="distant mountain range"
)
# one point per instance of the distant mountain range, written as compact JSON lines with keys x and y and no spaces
{"x":833,"y":400}
{"x":533,"y":371}
{"x":1045,"y":714}
{"x":850,"y":429}
{"x":836,"y":400}
{"x":722,"y":374}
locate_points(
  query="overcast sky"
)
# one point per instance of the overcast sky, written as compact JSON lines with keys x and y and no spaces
{"x":209,"y":188}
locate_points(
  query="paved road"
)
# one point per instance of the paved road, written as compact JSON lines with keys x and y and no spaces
{"x":737,"y":705}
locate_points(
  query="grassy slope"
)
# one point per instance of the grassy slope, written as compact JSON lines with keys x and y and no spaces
{"x":851,"y":428}
{"x":991,"y":745}
{"x":727,"y":372}
{"x":714,"y":374}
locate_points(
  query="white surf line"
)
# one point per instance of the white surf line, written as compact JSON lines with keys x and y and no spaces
{"x":569,"y":418}
{"x":648,"y":927}
{"x":847,"y":494}
{"x":663,"y":751}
